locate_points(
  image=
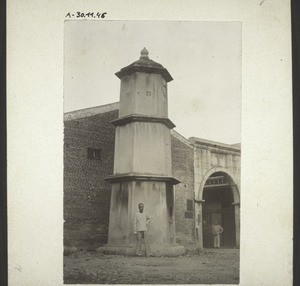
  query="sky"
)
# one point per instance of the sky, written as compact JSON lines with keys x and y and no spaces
{"x":204,"y":59}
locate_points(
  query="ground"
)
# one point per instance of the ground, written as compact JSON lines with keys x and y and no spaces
{"x":211,"y":266}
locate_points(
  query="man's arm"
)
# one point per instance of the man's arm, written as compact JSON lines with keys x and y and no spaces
{"x":148,"y":219}
{"x":221,"y":229}
{"x":135,"y":224}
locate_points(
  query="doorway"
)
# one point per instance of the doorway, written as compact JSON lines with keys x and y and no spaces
{"x":218,"y":206}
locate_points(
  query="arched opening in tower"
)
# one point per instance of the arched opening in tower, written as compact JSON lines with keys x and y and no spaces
{"x":218,"y":206}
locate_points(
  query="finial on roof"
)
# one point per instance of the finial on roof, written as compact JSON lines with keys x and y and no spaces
{"x":144,"y":54}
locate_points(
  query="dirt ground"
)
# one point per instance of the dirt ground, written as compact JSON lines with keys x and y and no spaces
{"x":211,"y":266}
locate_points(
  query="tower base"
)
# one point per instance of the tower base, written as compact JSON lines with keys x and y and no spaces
{"x":157,"y":250}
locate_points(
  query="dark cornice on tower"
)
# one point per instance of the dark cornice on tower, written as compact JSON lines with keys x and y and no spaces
{"x":144,"y":64}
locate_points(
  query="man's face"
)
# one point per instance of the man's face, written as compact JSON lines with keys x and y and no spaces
{"x":141,"y":208}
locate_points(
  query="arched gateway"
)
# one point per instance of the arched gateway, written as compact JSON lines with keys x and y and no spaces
{"x":217,"y":195}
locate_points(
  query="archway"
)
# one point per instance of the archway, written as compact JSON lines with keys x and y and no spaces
{"x":219,"y":197}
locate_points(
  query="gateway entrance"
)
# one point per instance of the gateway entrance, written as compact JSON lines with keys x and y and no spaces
{"x":218,"y":206}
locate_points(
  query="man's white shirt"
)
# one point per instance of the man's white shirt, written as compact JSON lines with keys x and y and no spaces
{"x":140,"y":221}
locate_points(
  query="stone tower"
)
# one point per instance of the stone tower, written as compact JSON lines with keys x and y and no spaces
{"x":142,"y":161}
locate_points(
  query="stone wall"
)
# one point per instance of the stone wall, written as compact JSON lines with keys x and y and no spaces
{"x":86,"y":194}
{"x":183,"y":169}
{"x":210,"y":158}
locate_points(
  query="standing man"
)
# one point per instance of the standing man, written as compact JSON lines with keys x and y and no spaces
{"x":141,"y":220}
{"x":216,"y":231}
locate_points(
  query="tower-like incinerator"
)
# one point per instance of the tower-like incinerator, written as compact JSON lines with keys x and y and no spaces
{"x":142,"y":160}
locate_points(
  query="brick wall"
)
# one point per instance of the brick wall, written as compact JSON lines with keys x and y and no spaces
{"x":183,"y":169}
{"x":86,"y":194}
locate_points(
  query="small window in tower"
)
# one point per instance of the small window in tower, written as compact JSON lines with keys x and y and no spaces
{"x":94,"y":153}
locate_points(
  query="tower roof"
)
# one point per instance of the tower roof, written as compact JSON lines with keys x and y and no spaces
{"x":144,"y":64}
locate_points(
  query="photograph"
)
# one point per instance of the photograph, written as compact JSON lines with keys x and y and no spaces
{"x":149,"y":143}
{"x":152,"y":152}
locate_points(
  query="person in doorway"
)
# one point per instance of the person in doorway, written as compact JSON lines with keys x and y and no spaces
{"x":216,"y":231}
{"x":141,"y":220}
